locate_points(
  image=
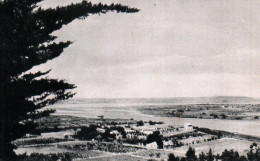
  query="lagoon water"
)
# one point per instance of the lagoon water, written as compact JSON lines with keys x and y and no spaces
{"x":128,"y":109}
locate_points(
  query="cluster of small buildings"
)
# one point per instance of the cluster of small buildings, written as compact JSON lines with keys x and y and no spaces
{"x":133,"y":131}
{"x":131,"y":128}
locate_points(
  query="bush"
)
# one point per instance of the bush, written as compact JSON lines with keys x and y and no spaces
{"x":154,"y":122}
{"x":107,"y":136}
{"x":140,"y":123}
{"x":230,"y":155}
{"x":155,"y":136}
{"x":87,"y":133}
{"x":171,"y":157}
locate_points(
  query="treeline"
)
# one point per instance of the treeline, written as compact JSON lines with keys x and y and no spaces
{"x":212,"y":132}
{"x":227,"y":155}
{"x":39,"y":141}
{"x":49,"y":157}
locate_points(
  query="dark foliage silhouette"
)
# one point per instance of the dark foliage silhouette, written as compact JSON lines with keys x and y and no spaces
{"x":171,"y":157}
{"x":155,"y":136}
{"x":190,"y":154}
{"x":26,"y":41}
{"x":87,"y":133}
{"x":227,"y":155}
{"x":210,"y":156}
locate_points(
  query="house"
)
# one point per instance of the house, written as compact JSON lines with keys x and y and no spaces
{"x":118,"y":134}
{"x":152,"y":145}
{"x":52,"y":135}
{"x":147,"y":129}
{"x":142,"y":137}
{"x":181,"y":128}
{"x":68,"y":134}
{"x":188,"y":127}
{"x":30,"y":136}
{"x":100,"y":130}
{"x":147,"y":132}
{"x":130,"y":133}
{"x":141,"y":144}
{"x":167,"y":144}
{"x":170,"y":128}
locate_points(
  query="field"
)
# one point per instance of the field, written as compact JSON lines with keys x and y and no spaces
{"x":217,"y":146}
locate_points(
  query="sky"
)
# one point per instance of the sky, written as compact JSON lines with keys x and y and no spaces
{"x":171,"y":48}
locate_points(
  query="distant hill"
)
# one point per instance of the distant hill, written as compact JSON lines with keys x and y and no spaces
{"x":230,"y":99}
{"x":176,"y":100}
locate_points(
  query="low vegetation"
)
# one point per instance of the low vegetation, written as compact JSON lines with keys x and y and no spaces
{"x":49,"y":157}
{"x":227,"y":155}
{"x":39,"y":141}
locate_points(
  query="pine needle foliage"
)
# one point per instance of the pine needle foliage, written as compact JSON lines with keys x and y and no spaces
{"x":26,"y":41}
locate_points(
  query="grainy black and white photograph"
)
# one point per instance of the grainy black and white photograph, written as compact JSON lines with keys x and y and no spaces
{"x":130,"y":80}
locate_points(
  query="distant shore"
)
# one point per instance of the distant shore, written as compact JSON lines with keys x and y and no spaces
{"x":207,"y":111}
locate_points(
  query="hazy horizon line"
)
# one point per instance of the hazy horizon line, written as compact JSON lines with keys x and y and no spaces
{"x":163,"y":97}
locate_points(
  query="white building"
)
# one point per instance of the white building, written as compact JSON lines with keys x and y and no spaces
{"x":147,"y":132}
{"x":142,"y":136}
{"x":152,"y":145}
{"x":167,"y":143}
{"x":141,"y":144}
{"x":188,"y":127}
{"x":130,"y":133}
{"x":118,"y":134}
{"x":100,"y":130}
{"x":68,"y":134}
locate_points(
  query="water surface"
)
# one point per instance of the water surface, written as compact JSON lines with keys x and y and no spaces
{"x":127,"y":110}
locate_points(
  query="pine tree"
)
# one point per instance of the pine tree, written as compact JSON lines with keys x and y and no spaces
{"x":190,"y":154}
{"x":202,"y":156}
{"x":26,"y":41}
{"x":210,"y":156}
{"x":171,"y":157}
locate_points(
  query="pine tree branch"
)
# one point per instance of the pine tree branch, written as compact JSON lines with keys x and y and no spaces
{"x":31,"y":76}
